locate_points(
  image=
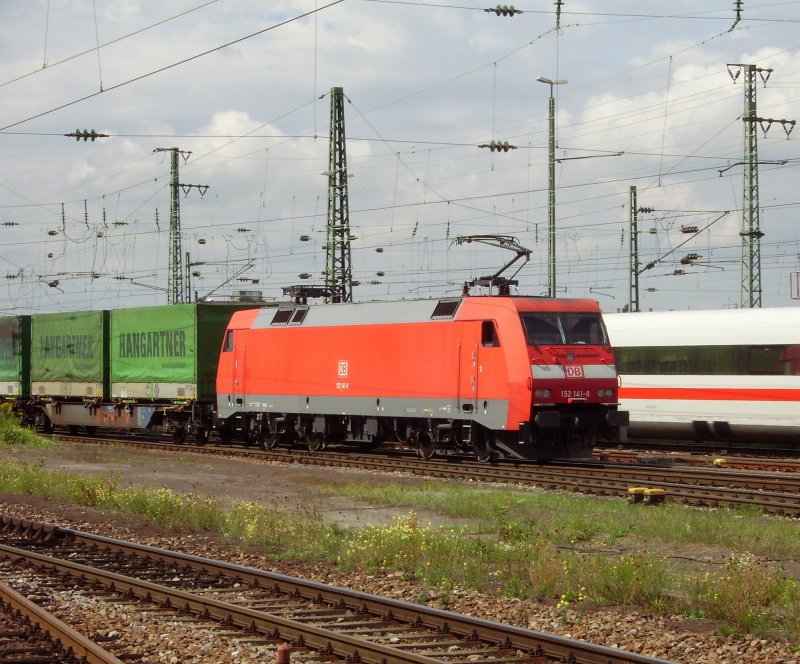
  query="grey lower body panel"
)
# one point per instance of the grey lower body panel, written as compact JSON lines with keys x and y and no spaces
{"x":491,"y":414}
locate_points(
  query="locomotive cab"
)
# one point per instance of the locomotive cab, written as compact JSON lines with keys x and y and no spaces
{"x":574,"y":382}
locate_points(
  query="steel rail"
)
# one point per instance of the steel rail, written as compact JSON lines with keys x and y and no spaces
{"x":536,"y":644}
{"x":70,"y":639}
{"x":776,"y":493}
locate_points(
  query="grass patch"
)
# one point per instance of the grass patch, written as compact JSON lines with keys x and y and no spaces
{"x":587,"y":550}
{"x":520,"y":516}
{"x":13,"y":435}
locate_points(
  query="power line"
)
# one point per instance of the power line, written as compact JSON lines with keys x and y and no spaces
{"x":174,"y":64}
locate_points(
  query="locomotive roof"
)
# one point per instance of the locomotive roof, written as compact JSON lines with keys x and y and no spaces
{"x":712,"y":327}
{"x":409,"y":311}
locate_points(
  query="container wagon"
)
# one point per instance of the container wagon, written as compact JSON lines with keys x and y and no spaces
{"x":145,"y":368}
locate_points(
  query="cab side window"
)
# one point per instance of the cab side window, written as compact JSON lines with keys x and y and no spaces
{"x":227,"y":344}
{"x":489,"y":334}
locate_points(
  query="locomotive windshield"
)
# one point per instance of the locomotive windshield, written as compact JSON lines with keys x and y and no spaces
{"x":563,"y":328}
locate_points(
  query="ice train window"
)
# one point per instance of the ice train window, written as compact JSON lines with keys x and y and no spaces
{"x":710,"y":360}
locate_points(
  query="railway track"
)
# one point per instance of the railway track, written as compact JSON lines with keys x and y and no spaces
{"x":333,"y":623}
{"x":722,"y":460}
{"x":29,"y":633}
{"x":774,"y":493}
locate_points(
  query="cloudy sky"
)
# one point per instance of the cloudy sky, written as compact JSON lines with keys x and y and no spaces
{"x":244,"y":86}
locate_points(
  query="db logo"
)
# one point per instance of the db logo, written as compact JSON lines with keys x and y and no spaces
{"x":343,"y":367}
{"x":573,"y":371}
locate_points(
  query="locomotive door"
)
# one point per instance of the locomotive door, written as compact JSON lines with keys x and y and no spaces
{"x":468,"y":347}
{"x":238,"y":373}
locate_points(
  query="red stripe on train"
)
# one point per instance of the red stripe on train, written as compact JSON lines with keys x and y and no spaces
{"x":709,"y":393}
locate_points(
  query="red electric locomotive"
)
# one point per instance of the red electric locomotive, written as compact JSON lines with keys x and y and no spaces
{"x":518,"y":377}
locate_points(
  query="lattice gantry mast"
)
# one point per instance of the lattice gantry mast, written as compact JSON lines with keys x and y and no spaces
{"x":178,"y":285}
{"x":338,"y":269}
{"x":751,"y":225}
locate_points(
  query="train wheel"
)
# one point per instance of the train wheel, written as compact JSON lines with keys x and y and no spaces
{"x":484,"y":449}
{"x":225,"y":434}
{"x":268,"y":439}
{"x":426,"y":447}
{"x":315,"y":442}
{"x":179,"y":435}
{"x":201,"y":435}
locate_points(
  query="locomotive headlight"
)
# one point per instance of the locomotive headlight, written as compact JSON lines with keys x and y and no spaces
{"x":542,"y":394}
{"x":605,"y":393}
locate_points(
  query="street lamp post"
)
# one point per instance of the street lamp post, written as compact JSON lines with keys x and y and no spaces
{"x":551,"y":197}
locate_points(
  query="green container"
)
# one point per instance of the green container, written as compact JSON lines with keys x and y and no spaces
{"x":167,"y":353}
{"x":68,"y":354}
{"x":15,"y":366}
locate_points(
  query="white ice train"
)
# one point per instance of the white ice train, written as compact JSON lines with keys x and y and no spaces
{"x":729,"y":375}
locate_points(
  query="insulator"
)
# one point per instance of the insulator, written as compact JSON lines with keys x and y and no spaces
{"x":380,"y":274}
{"x":379,"y":250}
{"x":304,"y":275}
{"x":304,"y":238}
{"x":689,"y":229}
{"x":504,"y":10}
{"x":202,"y":240}
{"x":52,"y":232}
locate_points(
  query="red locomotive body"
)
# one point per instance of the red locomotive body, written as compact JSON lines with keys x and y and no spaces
{"x":513,"y":376}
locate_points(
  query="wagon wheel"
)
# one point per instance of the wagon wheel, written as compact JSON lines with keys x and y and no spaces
{"x":43,"y":424}
{"x":315,"y":441}
{"x":179,"y":435}
{"x":484,"y":449}
{"x":426,"y":447}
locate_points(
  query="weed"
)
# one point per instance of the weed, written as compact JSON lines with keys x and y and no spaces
{"x":13,"y":435}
